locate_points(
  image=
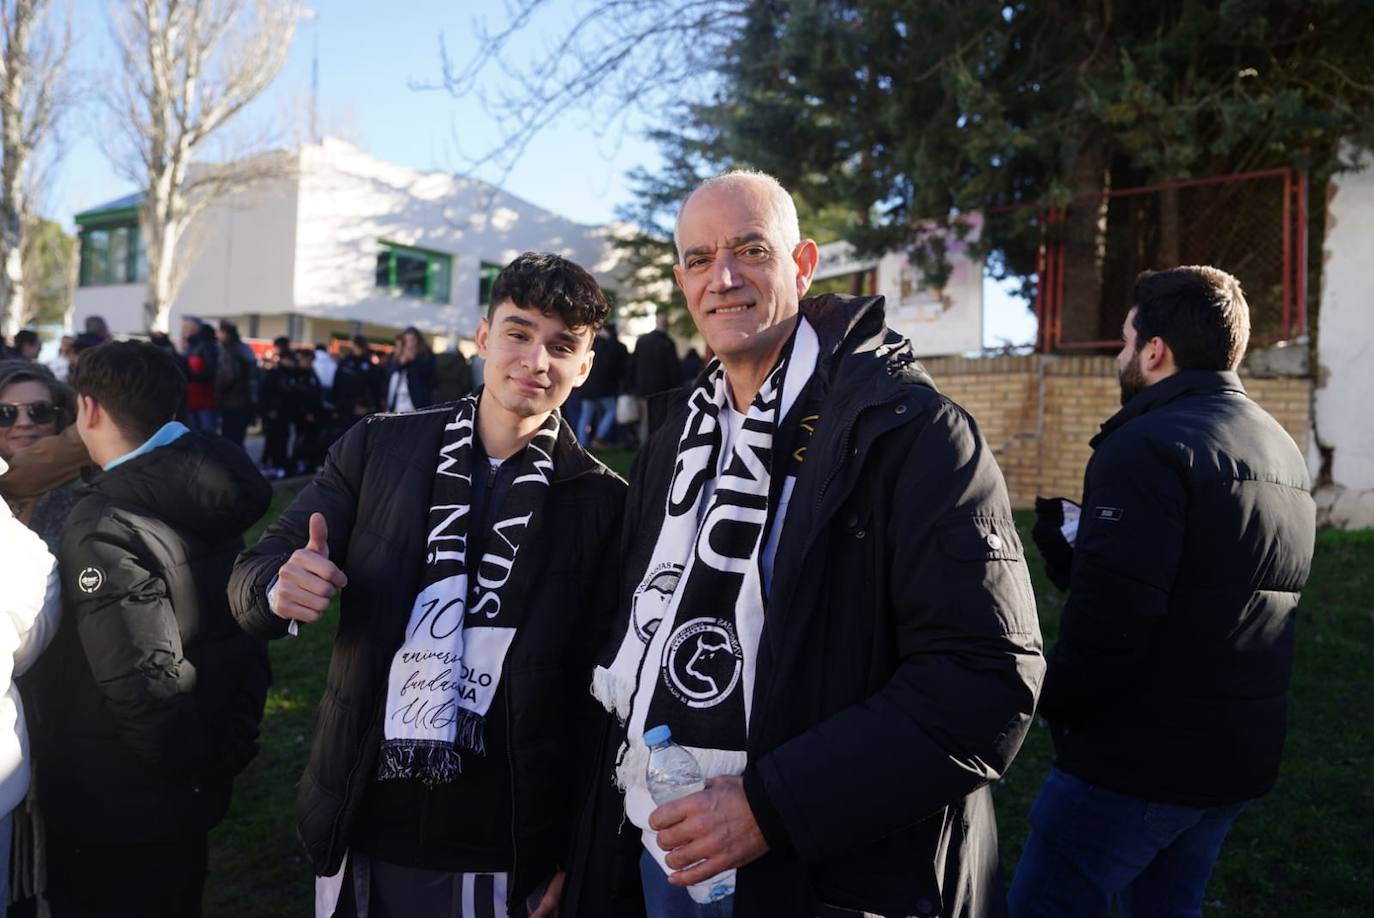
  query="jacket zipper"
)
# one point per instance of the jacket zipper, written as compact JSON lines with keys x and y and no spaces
{"x":510,"y":762}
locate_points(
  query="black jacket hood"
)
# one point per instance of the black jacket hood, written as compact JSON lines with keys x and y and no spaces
{"x":857,"y":325}
{"x":199,"y":483}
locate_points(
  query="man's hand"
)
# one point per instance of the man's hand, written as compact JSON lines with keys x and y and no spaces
{"x":708,"y":832}
{"x":548,"y":906}
{"x":308,"y":580}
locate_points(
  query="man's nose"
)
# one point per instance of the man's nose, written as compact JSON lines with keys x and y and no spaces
{"x":724,"y":274}
{"x":536,"y":357}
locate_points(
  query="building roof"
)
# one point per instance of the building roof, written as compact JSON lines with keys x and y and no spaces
{"x":117,"y":209}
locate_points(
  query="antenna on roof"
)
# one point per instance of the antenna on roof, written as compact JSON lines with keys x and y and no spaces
{"x":315,"y":87}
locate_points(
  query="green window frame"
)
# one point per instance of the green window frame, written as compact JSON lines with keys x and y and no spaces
{"x":112,"y":253}
{"x":406,"y":270}
{"x":486,"y":279}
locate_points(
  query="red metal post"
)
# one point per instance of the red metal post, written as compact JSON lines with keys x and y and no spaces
{"x":1059,"y":283}
{"x":1042,"y":341}
{"x":1302,"y":254}
{"x":1287,"y":250}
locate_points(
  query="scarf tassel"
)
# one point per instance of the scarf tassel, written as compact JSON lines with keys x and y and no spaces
{"x":434,"y":762}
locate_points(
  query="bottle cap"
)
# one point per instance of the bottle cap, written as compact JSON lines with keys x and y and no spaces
{"x":656,"y":736}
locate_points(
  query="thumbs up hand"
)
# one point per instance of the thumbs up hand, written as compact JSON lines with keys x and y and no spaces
{"x":308,"y":580}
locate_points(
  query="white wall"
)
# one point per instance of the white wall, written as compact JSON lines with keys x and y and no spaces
{"x":349,"y":201}
{"x":1345,"y":332}
{"x":309,"y":245}
{"x":242,"y":252}
{"x":120,"y":305}
{"x":937,"y":322}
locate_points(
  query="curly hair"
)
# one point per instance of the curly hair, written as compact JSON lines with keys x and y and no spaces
{"x":553,"y":285}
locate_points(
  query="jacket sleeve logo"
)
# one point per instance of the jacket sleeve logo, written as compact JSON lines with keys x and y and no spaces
{"x":90,"y":579}
{"x":1111,"y":514}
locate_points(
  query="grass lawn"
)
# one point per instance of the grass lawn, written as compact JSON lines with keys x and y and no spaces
{"x":1296,"y":852}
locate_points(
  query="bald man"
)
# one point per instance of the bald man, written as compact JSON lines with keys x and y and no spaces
{"x":848,"y":643}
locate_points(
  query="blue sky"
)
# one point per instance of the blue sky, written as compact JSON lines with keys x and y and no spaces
{"x":370,"y":55}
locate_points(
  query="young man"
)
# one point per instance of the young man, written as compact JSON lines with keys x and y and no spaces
{"x":826,"y":601}
{"x":475,"y":547}
{"x":1167,"y":692}
{"x":148,"y":702}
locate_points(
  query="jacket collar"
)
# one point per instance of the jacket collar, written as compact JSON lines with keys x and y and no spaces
{"x":1183,"y":384}
{"x":860,"y":355}
{"x":570,"y":460}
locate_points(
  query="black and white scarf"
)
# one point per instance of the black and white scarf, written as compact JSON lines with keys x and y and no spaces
{"x":688,"y":655}
{"x":462,"y":623}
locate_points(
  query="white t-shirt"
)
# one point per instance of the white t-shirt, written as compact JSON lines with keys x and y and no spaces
{"x":398,"y":399}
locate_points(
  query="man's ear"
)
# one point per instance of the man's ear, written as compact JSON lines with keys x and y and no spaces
{"x":807,"y":257}
{"x":585,"y":368}
{"x":483,"y":332}
{"x":678,"y":276}
{"x":1156,"y":356}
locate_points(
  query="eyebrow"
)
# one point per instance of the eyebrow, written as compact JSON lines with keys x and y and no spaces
{"x":729,"y":244}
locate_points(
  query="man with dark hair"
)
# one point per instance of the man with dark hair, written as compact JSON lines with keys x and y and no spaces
{"x":96,"y":327}
{"x":1167,"y":692}
{"x":200,"y":363}
{"x":27,"y":344}
{"x":308,"y":417}
{"x":596,"y":419}
{"x":148,"y":701}
{"x":236,"y":383}
{"x":824,"y":599}
{"x":656,"y":369}
{"x":358,"y":384}
{"x":475,"y":547}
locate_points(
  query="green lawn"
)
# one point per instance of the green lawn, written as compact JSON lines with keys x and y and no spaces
{"x":1296,"y":852}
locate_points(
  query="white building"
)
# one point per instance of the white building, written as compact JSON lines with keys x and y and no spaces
{"x":937,"y":321}
{"x":1344,"y":431}
{"x":350,"y":244}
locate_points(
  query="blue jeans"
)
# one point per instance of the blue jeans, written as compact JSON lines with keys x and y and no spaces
{"x":598,"y":414}
{"x":1089,"y":846}
{"x":664,"y":900}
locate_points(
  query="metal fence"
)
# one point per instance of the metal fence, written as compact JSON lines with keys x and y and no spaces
{"x":1252,"y":225}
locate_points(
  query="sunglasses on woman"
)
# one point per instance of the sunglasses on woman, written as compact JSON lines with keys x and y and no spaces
{"x":38,"y":412}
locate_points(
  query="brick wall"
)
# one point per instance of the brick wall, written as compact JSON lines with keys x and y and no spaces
{"x":1039,"y":412}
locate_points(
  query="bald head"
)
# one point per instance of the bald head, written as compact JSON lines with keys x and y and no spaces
{"x":757,"y":185}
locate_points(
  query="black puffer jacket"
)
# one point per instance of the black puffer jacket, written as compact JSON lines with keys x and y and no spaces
{"x":149,"y":699}
{"x":1170,"y":678}
{"x":375,"y":491}
{"x":899,"y":660}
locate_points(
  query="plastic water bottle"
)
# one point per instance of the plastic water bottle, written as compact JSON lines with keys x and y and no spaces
{"x":673,"y":772}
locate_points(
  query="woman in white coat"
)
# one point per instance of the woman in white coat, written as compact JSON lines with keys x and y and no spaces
{"x":29,"y":613}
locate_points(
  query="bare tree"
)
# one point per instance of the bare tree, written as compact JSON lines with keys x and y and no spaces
{"x":188,"y":67}
{"x":616,"y":58}
{"x":33,"y":96}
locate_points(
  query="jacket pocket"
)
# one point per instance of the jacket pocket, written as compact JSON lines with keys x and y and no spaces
{"x":984,"y":571}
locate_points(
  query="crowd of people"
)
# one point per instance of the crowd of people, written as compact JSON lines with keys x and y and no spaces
{"x":812,"y":581}
{"x":304,"y":399}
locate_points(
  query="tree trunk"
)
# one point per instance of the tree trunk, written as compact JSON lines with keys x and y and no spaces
{"x":1080,"y":316}
{"x":12,"y":287}
{"x":161,"y":252}
{"x":14,"y":74}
